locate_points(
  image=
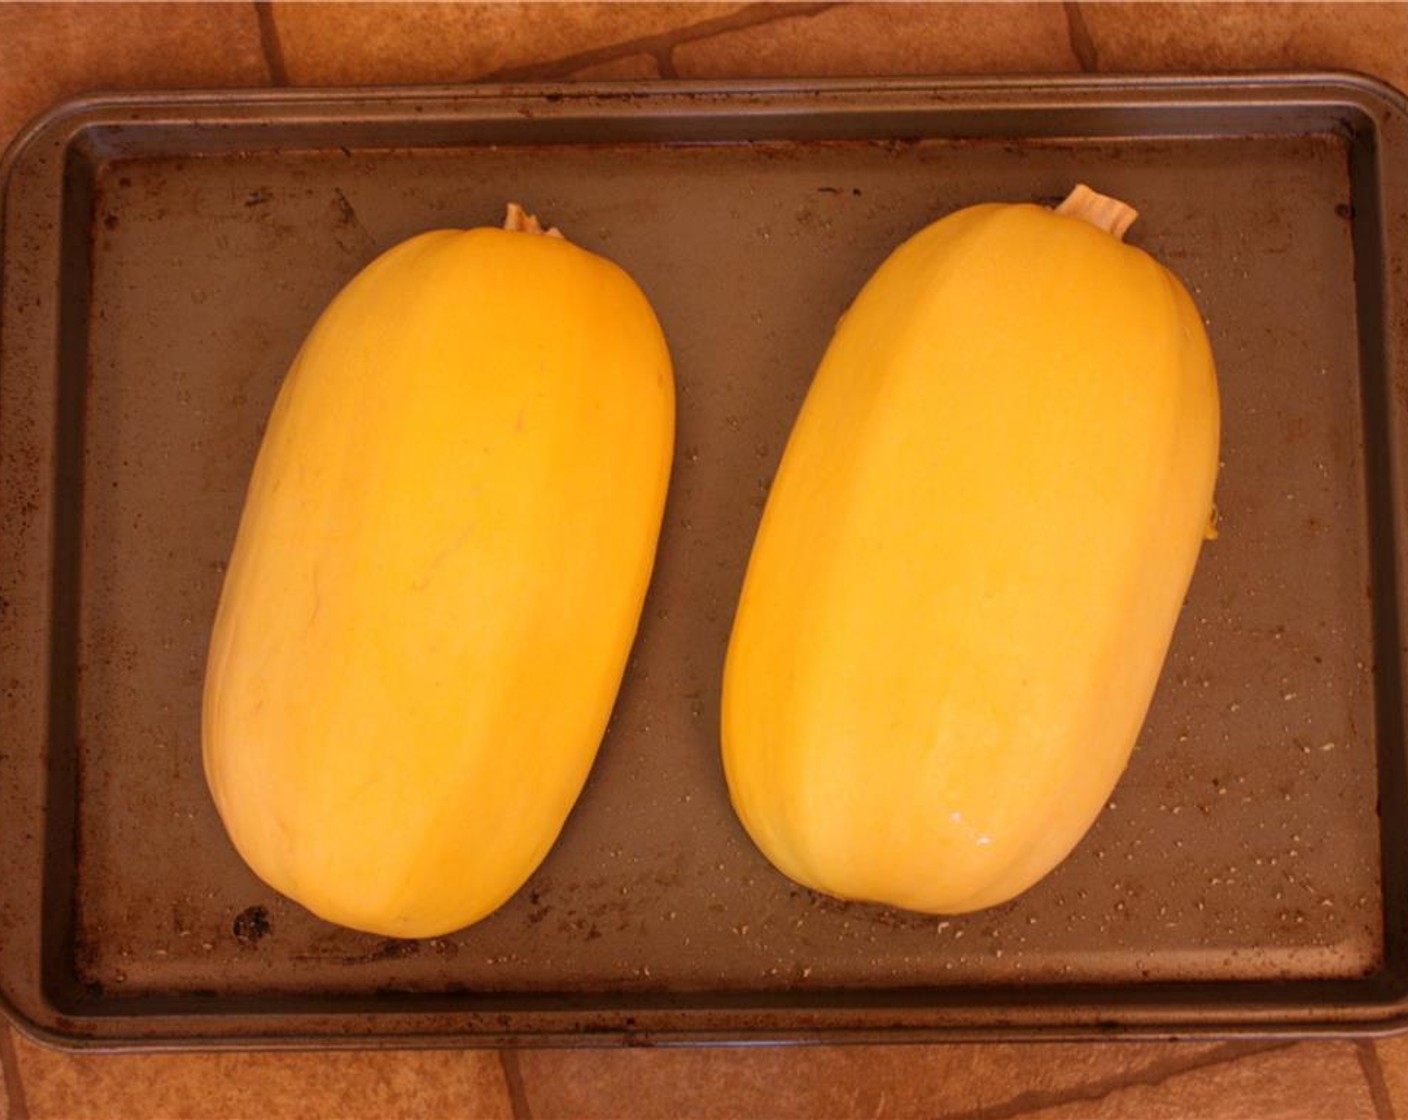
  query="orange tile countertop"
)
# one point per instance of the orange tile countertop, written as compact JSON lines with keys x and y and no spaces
{"x":52,"y":51}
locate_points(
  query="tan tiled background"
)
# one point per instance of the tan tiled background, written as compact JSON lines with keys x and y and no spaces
{"x":50,"y":51}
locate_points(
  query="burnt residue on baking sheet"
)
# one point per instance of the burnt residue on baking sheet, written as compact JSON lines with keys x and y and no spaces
{"x":1240,"y":853}
{"x":251,"y":925}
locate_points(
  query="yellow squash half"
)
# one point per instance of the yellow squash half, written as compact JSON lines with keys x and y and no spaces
{"x":438,"y":576}
{"x":972,"y":559}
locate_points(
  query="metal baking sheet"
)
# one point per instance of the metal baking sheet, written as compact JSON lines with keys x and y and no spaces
{"x":164,"y":255}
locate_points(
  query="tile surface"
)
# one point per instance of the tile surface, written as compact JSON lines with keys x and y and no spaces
{"x":1392,"y":1063}
{"x":618,"y":69}
{"x":1311,"y":1081}
{"x":890,"y":39}
{"x":919,"y":1081}
{"x":1140,"y":1081}
{"x":1372,"y":38}
{"x":348,"y":1085}
{"x":49,"y":52}
{"x":340,"y":44}
{"x":12,"y":1106}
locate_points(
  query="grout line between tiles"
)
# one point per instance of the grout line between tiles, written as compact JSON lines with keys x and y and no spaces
{"x":660,"y":45}
{"x":269,"y":44}
{"x":1373,"y":1067}
{"x":1152,"y":1075}
{"x":665,"y":62}
{"x":517,"y":1089}
{"x":1082,"y":42}
{"x":14,"y":1086}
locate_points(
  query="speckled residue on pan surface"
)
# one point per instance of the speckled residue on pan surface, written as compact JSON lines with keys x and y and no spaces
{"x":1222,"y":851}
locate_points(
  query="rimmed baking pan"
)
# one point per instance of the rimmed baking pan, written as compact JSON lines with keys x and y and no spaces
{"x":163,"y":256}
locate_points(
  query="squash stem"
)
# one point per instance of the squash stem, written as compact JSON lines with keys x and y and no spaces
{"x":1101,"y":211}
{"x":518,"y":220}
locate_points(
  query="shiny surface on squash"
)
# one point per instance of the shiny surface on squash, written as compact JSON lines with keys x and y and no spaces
{"x":437,"y":577}
{"x":971,"y":562}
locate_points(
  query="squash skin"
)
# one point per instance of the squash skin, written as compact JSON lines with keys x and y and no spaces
{"x":971,"y":562}
{"x":437,"y":578}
